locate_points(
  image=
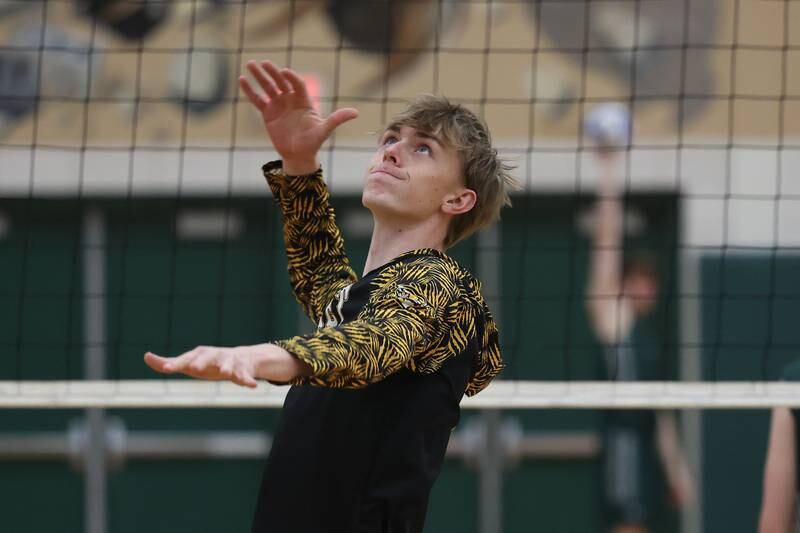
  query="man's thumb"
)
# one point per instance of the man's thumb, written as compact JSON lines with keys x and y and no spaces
{"x":339,"y":117}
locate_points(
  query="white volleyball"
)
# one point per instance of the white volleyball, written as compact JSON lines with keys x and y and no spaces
{"x":608,"y":125}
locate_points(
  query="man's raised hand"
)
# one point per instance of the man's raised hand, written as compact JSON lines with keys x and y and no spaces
{"x":296,"y":129}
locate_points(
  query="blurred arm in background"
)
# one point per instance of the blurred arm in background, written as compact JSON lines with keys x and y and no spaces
{"x":778,"y":511}
{"x":610,"y":315}
{"x":676,"y":468}
{"x":613,"y":309}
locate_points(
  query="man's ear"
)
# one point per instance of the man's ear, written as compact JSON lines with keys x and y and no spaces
{"x":459,"y":202}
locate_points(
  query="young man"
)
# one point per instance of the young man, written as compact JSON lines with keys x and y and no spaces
{"x":781,"y":478}
{"x":619,"y":298}
{"x":376,"y":389}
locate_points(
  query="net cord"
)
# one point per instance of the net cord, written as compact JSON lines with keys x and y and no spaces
{"x":499,"y":395}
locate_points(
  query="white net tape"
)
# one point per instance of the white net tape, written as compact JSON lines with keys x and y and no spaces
{"x":499,"y":395}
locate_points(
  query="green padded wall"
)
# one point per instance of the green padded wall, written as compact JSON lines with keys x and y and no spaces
{"x":546,"y":336}
{"x":750,"y":304}
{"x":40,"y":338}
{"x":167,"y":294}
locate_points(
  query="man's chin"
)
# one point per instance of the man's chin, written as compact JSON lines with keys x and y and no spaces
{"x":379,"y":206}
{"x":374,"y":204}
{"x":374,"y":196}
{"x":367,"y":200}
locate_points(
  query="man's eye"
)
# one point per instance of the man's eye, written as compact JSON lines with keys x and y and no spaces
{"x":390,"y":139}
{"x":424,"y":148}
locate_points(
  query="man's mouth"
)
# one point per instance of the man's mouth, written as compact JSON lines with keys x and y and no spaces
{"x":386,"y":172}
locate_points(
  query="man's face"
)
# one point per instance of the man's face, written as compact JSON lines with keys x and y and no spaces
{"x":412,"y":177}
{"x":642,"y":290}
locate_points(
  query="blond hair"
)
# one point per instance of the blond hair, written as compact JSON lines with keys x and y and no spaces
{"x":484,"y":172}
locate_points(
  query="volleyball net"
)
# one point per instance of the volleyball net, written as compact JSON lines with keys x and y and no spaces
{"x":133,"y":216}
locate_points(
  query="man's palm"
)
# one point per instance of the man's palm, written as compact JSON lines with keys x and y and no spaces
{"x":296,"y":129}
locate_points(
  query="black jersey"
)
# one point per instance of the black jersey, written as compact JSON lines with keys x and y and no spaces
{"x":361,"y":441}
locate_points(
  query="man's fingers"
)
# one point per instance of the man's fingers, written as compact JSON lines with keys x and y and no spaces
{"x":339,"y":117}
{"x":182,"y":362}
{"x":263,"y":80}
{"x":274,"y":86}
{"x":226,"y":369}
{"x":156,"y":362}
{"x":249,"y":383}
{"x":245,"y":381}
{"x":276,"y":75}
{"x":255,"y":98}
{"x":205,"y":363}
{"x":243,"y":377}
{"x":298,"y":85}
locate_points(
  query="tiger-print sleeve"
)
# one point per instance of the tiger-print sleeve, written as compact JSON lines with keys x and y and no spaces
{"x":489,"y":362}
{"x":318,"y":266}
{"x":415,"y":318}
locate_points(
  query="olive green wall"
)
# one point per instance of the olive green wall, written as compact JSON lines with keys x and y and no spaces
{"x":167,"y":294}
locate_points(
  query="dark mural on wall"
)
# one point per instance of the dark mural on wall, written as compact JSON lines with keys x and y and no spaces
{"x":656,"y":51}
{"x":638,"y":43}
{"x":130,"y":20}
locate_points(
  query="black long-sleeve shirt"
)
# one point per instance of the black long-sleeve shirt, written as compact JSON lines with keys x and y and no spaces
{"x":361,"y":440}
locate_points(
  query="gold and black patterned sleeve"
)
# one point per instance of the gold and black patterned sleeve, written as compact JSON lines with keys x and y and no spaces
{"x":318,"y":266}
{"x":489,"y":361}
{"x":418,"y":316}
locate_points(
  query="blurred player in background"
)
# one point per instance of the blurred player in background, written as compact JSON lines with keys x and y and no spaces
{"x":377,"y":387}
{"x":620,"y":295}
{"x":781,"y":479}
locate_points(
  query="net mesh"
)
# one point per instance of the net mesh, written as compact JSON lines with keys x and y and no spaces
{"x":133,"y":216}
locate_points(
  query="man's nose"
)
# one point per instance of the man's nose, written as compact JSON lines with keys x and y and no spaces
{"x":392,"y":153}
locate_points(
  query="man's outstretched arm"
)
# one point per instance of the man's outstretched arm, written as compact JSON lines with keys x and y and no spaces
{"x":412,"y":311}
{"x":418,"y":321}
{"x":243,"y":365}
{"x":352,"y":355}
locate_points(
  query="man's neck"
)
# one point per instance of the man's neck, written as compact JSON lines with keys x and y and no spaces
{"x":391,"y":240}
